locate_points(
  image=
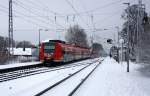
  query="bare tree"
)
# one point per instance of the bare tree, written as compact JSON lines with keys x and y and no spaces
{"x":98,"y":50}
{"x":24,"y":44}
{"x":3,"y":50}
{"x":134,"y":37}
{"x":145,"y":44}
{"x":77,"y":36}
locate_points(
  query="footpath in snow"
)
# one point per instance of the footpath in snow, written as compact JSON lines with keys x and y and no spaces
{"x":111,"y":79}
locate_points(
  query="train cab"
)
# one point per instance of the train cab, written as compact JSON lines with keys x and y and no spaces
{"x":51,"y":51}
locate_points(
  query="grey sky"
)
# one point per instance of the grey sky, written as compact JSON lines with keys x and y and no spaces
{"x":106,"y":15}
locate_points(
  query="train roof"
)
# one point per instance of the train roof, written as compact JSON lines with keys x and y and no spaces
{"x":64,"y":43}
{"x":59,"y":41}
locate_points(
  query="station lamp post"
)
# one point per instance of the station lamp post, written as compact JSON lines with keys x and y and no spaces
{"x":40,"y":36}
{"x":127,"y":55}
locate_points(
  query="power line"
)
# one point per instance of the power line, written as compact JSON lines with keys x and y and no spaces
{"x":88,"y":14}
{"x":96,"y":9}
{"x":22,"y":17}
{"x":92,"y":22}
{"x":4,"y":11}
{"x":29,"y":11}
{"x":33,"y":12}
{"x":39,"y":8}
{"x":29,"y":21}
{"x":107,"y":5}
{"x":76,"y":11}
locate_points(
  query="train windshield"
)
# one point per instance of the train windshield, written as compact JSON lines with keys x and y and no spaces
{"x":49,"y":47}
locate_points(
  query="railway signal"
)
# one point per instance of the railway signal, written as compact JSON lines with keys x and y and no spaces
{"x":110,"y":41}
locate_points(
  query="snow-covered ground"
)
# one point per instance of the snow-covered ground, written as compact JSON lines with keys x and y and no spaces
{"x":71,"y":83}
{"x":31,"y":85}
{"x":111,"y":79}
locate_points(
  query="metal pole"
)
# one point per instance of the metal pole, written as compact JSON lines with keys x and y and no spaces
{"x":118,"y":53}
{"x":118,"y":34}
{"x":127,"y":51}
{"x":138,"y":29}
{"x":92,"y":39}
{"x":39,"y":41}
{"x":10,"y":31}
{"x":39,"y":36}
{"x":128,"y":43}
{"x":137,"y":57}
{"x":121,"y":52}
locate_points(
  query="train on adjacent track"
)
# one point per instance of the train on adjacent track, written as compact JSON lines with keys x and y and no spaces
{"x":57,"y":51}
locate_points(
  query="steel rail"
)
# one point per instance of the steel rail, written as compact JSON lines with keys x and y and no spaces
{"x":28,"y":72}
{"x":83,"y":80}
{"x":64,"y":79}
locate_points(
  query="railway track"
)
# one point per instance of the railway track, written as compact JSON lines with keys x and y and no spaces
{"x":10,"y":75}
{"x":62,"y":85}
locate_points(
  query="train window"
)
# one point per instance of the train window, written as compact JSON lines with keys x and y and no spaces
{"x":49,"y":47}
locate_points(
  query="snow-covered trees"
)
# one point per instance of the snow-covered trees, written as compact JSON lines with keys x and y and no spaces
{"x":136,"y":39}
{"x":98,"y":50}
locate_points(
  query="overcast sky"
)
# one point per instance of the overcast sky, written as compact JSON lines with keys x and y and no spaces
{"x":32,"y":15}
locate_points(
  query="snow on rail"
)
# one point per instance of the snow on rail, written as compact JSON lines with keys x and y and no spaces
{"x":31,"y":85}
{"x":18,"y":65}
{"x":70,"y":84}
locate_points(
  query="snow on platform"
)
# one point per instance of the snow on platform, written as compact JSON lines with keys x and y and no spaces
{"x":18,"y":65}
{"x":111,"y":79}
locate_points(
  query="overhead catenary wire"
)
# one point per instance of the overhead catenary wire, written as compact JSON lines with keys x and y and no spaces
{"x":107,"y":18}
{"x":57,"y":14}
{"x":22,"y":16}
{"x":96,"y":9}
{"x":90,"y":15}
{"x":92,"y":21}
{"x":4,"y":11}
{"x":38,"y":6}
{"x":69,"y":3}
{"x":30,"y":20}
{"x":34,"y":12}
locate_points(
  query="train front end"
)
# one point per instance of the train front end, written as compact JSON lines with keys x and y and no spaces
{"x":47,"y":51}
{"x":51,"y":52}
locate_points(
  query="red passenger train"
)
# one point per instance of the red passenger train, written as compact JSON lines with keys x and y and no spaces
{"x":60,"y":52}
